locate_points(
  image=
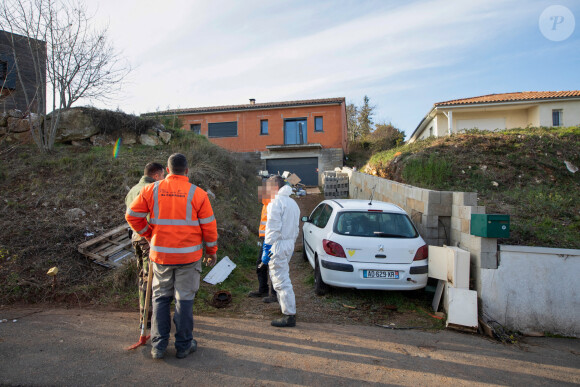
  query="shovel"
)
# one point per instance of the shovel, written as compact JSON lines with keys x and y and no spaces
{"x":143,"y":339}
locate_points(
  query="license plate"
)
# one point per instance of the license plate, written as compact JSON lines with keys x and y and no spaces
{"x":388,"y":274}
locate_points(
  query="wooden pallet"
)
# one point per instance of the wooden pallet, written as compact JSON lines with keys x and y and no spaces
{"x":112,"y":249}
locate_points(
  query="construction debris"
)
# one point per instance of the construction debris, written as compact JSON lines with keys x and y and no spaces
{"x":220,"y":272}
{"x":293,"y":179}
{"x":112,"y":249}
{"x":335,"y":184}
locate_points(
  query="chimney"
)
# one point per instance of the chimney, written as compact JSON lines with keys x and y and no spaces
{"x":252,"y":101}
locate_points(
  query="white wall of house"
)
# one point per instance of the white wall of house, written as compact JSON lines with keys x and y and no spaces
{"x":501,"y":116}
{"x":534,"y":116}
{"x":570,"y":112}
{"x":534,"y":289}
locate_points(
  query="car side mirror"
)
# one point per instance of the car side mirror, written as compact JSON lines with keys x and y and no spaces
{"x":305,"y":219}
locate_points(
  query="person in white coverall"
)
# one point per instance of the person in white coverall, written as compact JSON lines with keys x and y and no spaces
{"x":281,"y":233}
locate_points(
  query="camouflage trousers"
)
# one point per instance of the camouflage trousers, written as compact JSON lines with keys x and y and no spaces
{"x":141,"y":247}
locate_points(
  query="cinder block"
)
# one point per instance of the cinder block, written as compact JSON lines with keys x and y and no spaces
{"x":465,"y":242}
{"x":430,"y":232}
{"x":455,"y":236}
{"x":465,"y":198}
{"x":433,"y":197}
{"x":488,"y":245}
{"x":466,"y":211}
{"x":488,"y":260}
{"x":430,"y":220}
{"x":455,"y":211}
{"x":456,"y":224}
{"x":465,"y":225}
{"x":446,"y":197}
{"x":439,"y":209}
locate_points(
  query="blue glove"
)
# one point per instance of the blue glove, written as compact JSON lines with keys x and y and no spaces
{"x":266,"y":254}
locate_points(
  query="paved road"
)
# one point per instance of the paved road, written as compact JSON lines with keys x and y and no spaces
{"x":87,"y":347}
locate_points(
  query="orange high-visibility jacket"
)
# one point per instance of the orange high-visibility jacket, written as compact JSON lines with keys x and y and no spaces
{"x":263,"y":218}
{"x":181,"y":221}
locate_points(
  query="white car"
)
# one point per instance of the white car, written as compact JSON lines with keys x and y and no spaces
{"x":364,"y":245}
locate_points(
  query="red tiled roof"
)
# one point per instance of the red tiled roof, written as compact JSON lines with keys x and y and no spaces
{"x":509,"y":97}
{"x":256,"y":106}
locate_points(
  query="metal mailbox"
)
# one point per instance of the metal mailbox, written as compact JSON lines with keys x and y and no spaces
{"x":490,"y":225}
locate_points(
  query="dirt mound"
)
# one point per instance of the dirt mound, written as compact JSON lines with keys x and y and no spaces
{"x":39,"y":191}
{"x":522,"y":172}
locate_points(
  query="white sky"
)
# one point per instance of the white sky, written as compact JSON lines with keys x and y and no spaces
{"x":404,"y":55}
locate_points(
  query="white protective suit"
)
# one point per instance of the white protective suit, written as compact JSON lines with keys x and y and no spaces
{"x":281,"y":233}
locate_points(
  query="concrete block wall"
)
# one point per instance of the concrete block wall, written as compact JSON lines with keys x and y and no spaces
{"x":430,"y":210}
{"x":483,"y":251}
{"x":442,"y":217}
{"x":328,"y":159}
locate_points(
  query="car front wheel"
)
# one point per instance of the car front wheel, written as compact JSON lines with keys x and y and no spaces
{"x":320,"y":288}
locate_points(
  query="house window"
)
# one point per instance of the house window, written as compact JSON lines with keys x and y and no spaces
{"x":263,"y":126}
{"x":295,"y":131}
{"x":222,"y":129}
{"x":318,"y":124}
{"x":431,"y":131}
{"x":557,"y":117}
{"x":195,"y":128}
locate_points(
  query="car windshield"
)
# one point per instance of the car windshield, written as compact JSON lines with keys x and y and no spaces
{"x":375,"y":224}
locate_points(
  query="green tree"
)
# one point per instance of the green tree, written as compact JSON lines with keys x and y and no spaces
{"x":352,"y":122}
{"x":385,"y":136}
{"x":365,"y":117}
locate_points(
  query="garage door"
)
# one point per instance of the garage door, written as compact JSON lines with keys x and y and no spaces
{"x":306,"y":168}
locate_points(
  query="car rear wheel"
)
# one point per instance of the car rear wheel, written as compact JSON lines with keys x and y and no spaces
{"x":320,"y":288}
{"x":304,"y":256}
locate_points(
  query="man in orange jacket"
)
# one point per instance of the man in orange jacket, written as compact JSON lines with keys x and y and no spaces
{"x":268,"y":293}
{"x":181,"y":223}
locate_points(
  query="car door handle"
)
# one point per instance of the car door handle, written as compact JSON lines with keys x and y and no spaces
{"x":310,"y":232}
{"x":380,"y":256}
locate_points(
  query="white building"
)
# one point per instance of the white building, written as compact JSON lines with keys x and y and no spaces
{"x":501,"y":111}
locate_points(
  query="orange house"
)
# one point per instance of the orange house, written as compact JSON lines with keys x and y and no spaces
{"x":303,"y":137}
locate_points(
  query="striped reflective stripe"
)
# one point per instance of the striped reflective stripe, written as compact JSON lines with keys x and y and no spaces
{"x":189,"y":208}
{"x":174,"y":222}
{"x":206,"y":220}
{"x":143,"y":231}
{"x":155,"y":199}
{"x":137,"y":214}
{"x":176,"y":250}
{"x":263,"y":223}
{"x":211,"y":244}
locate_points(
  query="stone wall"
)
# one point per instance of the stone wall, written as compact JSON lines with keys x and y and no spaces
{"x":15,"y":126}
{"x":78,"y":127}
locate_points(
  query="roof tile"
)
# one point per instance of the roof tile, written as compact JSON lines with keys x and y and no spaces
{"x":256,"y":106}
{"x":508,"y":97}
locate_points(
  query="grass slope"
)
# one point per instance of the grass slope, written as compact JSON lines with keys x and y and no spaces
{"x":520,"y":172}
{"x":37,"y":190}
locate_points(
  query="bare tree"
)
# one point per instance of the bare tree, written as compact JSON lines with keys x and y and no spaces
{"x":81,"y":63}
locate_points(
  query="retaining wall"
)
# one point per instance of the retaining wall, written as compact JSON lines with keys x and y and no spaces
{"x":442,"y":217}
{"x":533,"y":289}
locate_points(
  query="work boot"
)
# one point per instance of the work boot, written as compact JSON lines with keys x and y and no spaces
{"x":157,"y":354}
{"x":257,"y":294}
{"x":286,"y":321}
{"x":192,"y":348}
{"x":270,"y":299}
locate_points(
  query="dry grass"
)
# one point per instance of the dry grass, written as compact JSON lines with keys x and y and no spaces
{"x":37,"y":190}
